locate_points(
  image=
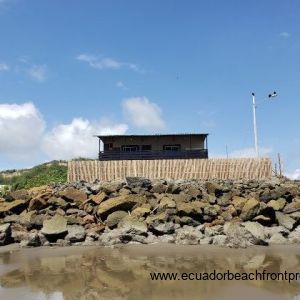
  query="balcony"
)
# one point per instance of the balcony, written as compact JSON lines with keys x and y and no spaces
{"x":152,"y":154}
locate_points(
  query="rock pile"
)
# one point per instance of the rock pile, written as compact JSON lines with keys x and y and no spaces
{"x":226,"y":213}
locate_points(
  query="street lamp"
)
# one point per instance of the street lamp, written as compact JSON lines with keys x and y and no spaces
{"x":272,"y":95}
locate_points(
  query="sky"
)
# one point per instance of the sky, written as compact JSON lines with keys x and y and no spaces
{"x":73,"y":69}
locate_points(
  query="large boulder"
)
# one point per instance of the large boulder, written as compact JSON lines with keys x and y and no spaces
{"x":250,"y":209}
{"x":277,"y":204}
{"x":16,"y":206}
{"x":114,"y":218}
{"x":162,"y":228}
{"x":293,"y":206}
{"x":238,"y":203}
{"x":191,"y":209}
{"x":76,"y":233}
{"x":285,"y":220}
{"x":256,"y":229}
{"x":112,"y":186}
{"x":73,"y":195}
{"x":55,"y":227}
{"x":124,"y":202}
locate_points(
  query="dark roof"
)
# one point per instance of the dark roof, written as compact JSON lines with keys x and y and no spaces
{"x":146,"y":135}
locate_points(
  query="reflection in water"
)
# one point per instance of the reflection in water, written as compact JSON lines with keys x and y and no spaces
{"x":123,"y":273}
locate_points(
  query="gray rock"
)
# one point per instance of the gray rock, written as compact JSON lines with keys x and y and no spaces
{"x":250,"y":209}
{"x":219,"y":240}
{"x":285,"y":220}
{"x":256,"y":229}
{"x":294,"y":237}
{"x":134,"y":182}
{"x":5,"y":233}
{"x":213,"y":230}
{"x":270,"y":231}
{"x":188,"y":235}
{"x":56,"y":226}
{"x":76,"y":233}
{"x":162,"y":228}
{"x":114,"y":218}
{"x":277,"y":239}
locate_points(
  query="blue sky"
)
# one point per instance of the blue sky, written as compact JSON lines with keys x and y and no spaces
{"x":70,"y":69}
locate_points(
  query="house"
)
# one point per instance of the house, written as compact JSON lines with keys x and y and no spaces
{"x":157,"y":146}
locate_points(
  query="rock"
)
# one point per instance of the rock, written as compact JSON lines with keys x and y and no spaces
{"x":37,"y":204}
{"x":111,"y":187}
{"x":270,"y":231}
{"x":16,"y":206}
{"x":256,"y":229}
{"x":292,"y":207}
{"x":194,"y":192}
{"x":18,"y":195}
{"x":277,"y":239}
{"x":188,"y":235}
{"x":97,"y":199}
{"x":88,"y":219}
{"x":185,"y":220}
{"x":225,"y":199}
{"x":219,"y":240}
{"x":159,"y":186}
{"x":162,"y":228}
{"x":5,"y":234}
{"x":76,"y":211}
{"x":58,"y":202}
{"x":166,"y":202}
{"x":192,"y":209}
{"x":264,"y":220}
{"x":11,"y":219}
{"x":140,"y":212}
{"x":212,"y":188}
{"x":73,"y":195}
{"x":158,"y":218}
{"x":294,"y":237}
{"x":212,"y":210}
{"x":295,"y":216}
{"x":130,"y":225}
{"x":206,"y":241}
{"x":76,"y":233}
{"x":166,"y":239}
{"x":238,"y":203}
{"x":134,"y":182}
{"x":124,"y":202}
{"x":55,"y":227}
{"x":285,"y":220}
{"x":277,"y":204}
{"x":239,"y":236}
{"x":33,"y":240}
{"x":250,"y":209}
{"x":114,"y":218}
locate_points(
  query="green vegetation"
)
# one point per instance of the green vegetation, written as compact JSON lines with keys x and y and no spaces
{"x":37,"y":176}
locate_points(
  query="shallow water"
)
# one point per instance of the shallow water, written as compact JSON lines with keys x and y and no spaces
{"x":123,"y":273}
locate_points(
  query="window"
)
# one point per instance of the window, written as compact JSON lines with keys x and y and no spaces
{"x":172,"y":147}
{"x":146,"y":147}
{"x":108,"y":146}
{"x":130,"y":148}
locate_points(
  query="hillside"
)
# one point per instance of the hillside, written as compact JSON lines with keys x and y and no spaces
{"x":51,"y":172}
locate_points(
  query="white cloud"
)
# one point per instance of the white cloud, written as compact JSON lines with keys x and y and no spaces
{"x":21,"y":128}
{"x":294,"y":175}
{"x":38,"y":72}
{"x":121,"y":85}
{"x":76,"y":139}
{"x":106,"y":63}
{"x":285,"y":34}
{"x":4,"y":66}
{"x":143,"y":114}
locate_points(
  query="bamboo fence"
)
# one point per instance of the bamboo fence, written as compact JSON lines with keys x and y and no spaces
{"x":239,"y":168}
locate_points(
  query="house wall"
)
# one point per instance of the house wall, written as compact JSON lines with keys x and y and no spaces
{"x":187,"y":142}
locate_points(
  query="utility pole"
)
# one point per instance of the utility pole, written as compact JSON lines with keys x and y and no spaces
{"x":254,"y":125}
{"x":270,"y":96}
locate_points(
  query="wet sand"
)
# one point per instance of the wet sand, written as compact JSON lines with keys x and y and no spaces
{"x":124,"y":272}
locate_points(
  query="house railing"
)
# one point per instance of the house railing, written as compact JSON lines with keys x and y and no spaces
{"x":152,"y":154}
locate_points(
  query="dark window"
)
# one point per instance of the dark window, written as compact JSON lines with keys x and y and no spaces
{"x":172,"y":147}
{"x":146,"y":147}
{"x":108,"y":146}
{"x":130,"y":148}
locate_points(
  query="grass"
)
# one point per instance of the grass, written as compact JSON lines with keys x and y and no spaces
{"x":37,"y":176}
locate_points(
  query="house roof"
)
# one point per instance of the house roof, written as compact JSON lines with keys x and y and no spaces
{"x":148,"y":135}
